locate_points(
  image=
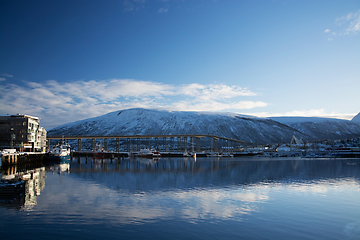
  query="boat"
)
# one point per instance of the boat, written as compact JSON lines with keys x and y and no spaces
{"x":227,"y":154}
{"x":186,"y":154}
{"x":98,"y":152}
{"x":213,"y":154}
{"x":146,"y":153}
{"x":60,"y":152}
{"x":156,"y":154}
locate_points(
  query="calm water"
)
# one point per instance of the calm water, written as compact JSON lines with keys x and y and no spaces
{"x":176,"y":198}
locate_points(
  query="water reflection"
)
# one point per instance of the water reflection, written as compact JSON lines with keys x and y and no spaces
{"x":260,"y":194}
{"x":177,"y":173}
{"x":187,"y":176}
{"x":29,"y":182}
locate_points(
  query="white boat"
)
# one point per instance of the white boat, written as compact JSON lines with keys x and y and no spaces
{"x":146,"y":153}
{"x":214,"y":154}
{"x":59,"y":152}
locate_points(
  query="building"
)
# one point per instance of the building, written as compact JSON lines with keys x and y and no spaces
{"x":296,"y":141}
{"x":22,"y":132}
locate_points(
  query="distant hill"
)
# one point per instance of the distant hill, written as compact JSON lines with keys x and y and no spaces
{"x":356,"y":119}
{"x":242,"y":127}
{"x":322,"y":128}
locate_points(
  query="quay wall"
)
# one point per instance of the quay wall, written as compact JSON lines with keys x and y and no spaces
{"x":22,"y":158}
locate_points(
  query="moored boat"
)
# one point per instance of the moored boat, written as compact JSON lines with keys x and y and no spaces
{"x":227,"y":154}
{"x":60,"y":152}
{"x":146,"y":153}
{"x":214,"y":154}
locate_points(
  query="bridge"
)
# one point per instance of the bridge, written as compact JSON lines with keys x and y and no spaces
{"x":165,"y":143}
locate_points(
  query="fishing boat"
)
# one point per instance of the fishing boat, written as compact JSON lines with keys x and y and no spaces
{"x":60,"y":152}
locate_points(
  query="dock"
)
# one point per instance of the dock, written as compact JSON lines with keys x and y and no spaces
{"x":15,"y":158}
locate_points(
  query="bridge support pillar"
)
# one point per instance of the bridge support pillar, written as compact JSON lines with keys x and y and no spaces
{"x":117,"y":145}
{"x":128,"y":145}
{"x":157,"y":144}
{"x":198,"y":149}
{"x":79,"y":145}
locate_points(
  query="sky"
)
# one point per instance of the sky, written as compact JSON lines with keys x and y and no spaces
{"x":69,"y":60}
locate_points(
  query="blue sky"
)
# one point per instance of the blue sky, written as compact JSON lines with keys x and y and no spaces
{"x":69,"y":60}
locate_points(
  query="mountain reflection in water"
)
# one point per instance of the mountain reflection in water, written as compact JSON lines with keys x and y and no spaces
{"x":252,"y":198}
{"x":177,"y":173}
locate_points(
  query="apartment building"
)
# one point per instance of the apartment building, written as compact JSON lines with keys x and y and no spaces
{"x":22,"y":132}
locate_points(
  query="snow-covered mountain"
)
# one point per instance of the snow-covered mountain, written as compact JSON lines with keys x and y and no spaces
{"x":356,"y":119}
{"x":322,"y":128}
{"x":236,"y":126}
{"x":155,"y":122}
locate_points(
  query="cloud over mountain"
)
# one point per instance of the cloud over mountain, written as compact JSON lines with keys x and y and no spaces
{"x":57,"y":103}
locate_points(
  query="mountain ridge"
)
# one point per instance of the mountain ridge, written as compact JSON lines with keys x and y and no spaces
{"x":154,"y":122}
{"x":356,"y":119}
{"x":138,"y":121}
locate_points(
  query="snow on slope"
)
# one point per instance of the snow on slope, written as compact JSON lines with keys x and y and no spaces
{"x":289,"y":120}
{"x":322,"y":128}
{"x":230,"y":125}
{"x":154,"y":122}
{"x":356,"y":119}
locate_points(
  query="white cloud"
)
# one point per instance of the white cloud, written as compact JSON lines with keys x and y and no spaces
{"x":352,"y":21}
{"x":58,"y":103}
{"x":345,"y":25}
{"x":133,"y":5}
{"x":7,"y":75}
{"x":354,"y":26}
{"x":307,"y":113}
{"x":163,"y":10}
{"x":213,"y":105}
{"x":2,"y":79}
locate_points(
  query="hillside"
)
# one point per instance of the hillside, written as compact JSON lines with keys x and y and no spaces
{"x":236,"y":126}
{"x":154,"y":122}
{"x":356,"y":119}
{"x":322,"y":128}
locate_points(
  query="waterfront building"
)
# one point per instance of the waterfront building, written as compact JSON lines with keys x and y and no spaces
{"x":22,"y":132}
